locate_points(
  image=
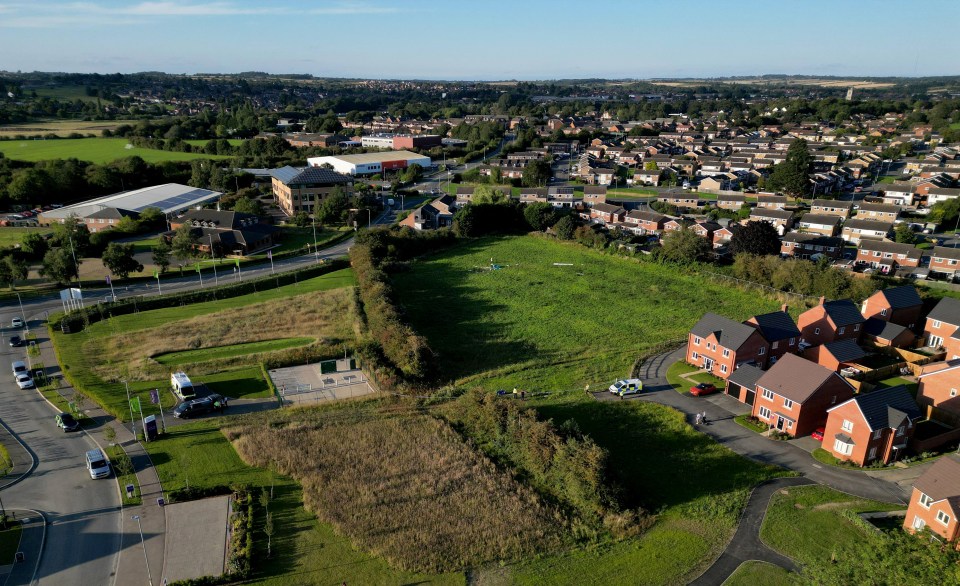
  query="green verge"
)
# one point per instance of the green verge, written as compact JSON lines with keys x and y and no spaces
{"x":755,"y":573}
{"x":305,"y":551}
{"x":808,"y":523}
{"x":745,"y":421}
{"x":10,"y":236}
{"x":112,"y":396}
{"x":9,"y":543}
{"x":117,"y":458}
{"x":230,"y":351}
{"x":6,"y":463}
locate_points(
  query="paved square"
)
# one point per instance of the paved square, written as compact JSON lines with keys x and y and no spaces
{"x":304,"y":385}
{"x":196,"y":538}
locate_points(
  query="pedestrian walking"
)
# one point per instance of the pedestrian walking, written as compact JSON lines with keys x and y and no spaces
{"x":703,"y":417}
{"x":697,"y":419}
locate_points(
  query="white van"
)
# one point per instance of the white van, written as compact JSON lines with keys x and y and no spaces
{"x":97,"y":464}
{"x":19,"y":367}
{"x":182,"y":386}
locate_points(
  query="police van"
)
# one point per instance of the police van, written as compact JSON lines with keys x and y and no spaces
{"x":182,"y":386}
{"x":628,"y":386}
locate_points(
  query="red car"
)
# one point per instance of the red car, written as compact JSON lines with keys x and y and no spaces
{"x":702,"y":389}
{"x":817,"y":434}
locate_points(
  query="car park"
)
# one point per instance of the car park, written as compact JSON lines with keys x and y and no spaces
{"x":16,"y":323}
{"x":24,"y":381}
{"x":66,"y":422}
{"x":15,"y":341}
{"x":702,"y":389}
{"x":625,"y":387}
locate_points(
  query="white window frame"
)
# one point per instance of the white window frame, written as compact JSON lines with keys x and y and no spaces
{"x":925,"y":500}
{"x":877,"y":434}
{"x":883,"y":311}
{"x":726,"y":353}
{"x":723,"y":368}
{"x":936,"y":323}
{"x":953,"y":392}
{"x":816,"y":331}
{"x":842,"y":448}
{"x":695,"y":356}
{"x":787,"y":404}
{"x":774,"y":345}
{"x":841,"y":330}
{"x":943,"y":517}
{"x":767,"y":394}
{"x":762,"y":351}
{"x":762,"y":414}
{"x":847,"y":425}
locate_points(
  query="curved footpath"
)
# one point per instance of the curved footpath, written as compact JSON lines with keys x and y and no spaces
{"x":745,"y":544}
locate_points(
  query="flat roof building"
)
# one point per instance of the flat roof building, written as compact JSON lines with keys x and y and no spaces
{"x":169,"y":198}
{"x":371,"y":163}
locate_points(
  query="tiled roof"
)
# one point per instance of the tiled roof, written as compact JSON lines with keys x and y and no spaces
{"x":942,"y":481}
{"x":947,"y":310}
{"x":843,"y":312}
{"x":885,"y":330}
{"x":902,"y":296}
{"x":845,"y":350}
{"x":310,"y":175}
{"x":746,"y":376}
{"x":820,"y":219}
{"x":729,"y":333}
{"x":887,"y":408}
{"x":892,"y":247}
{"x":795,"y":378}
{"x":944,"y":252}
{"x":776,"y":325}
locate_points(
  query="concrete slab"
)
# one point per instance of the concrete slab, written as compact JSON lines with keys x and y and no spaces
{"x":303,"y":385}
{"x":196,"y":542}
{"x":807,"y":443}
{"x":728,"y":403}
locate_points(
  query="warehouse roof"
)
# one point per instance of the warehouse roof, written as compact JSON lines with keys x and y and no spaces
{"x":168,"y":198}
{"x":364,"y":158}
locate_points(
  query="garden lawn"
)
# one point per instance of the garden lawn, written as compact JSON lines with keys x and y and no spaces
{"x":10,"y":236}
{"x":754,"y":573}
{"x":911,"y":385}
{"x":539,"y":326}
{"x":95,"y":150}
{"x":305,"y":552}
{"x":807,"y":522}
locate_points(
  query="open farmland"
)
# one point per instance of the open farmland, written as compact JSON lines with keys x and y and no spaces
{"x":535,"y":325}
{"x":98,"y":358}
{"x":61,"y":127}
{"x":95,"y":150}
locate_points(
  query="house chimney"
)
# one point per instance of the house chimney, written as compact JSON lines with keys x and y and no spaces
{"x":822,"y":299}
{"x":783,"y":308}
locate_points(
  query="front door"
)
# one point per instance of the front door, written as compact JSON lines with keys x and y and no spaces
{"x":708,"y":364}
{"x":873,"y":453}
{"x":918,"y":523}
{"x":780,"y":423}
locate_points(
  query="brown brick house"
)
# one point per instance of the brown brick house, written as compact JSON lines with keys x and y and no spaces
{"x":883,"y":333}
{"x":302,"y":190}
{"x":935,"y":501}
{"x":872,"y":427}
{"x":830,"y":321}
{"x":779,"y":330}
{"x":645,"y":222}
{"x":939,"y":390}
{"x":942,"y":327}
{"x":945,"y":260}
{"x":831,"y":207}
{"x":836,"y":355}
{"x":888,"y":256}
{"x":230,"y":233}
{"x":607,"y":213}
{"x":900,"y":305}
{"x":824,"y":224}
{"x":794,"y":394}
{"x":742,"y":384}
{"x":801,"y":245}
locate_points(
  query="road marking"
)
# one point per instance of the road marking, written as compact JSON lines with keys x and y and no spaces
{"x":817,"y":466}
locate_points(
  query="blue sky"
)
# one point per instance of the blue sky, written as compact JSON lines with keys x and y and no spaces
{"x":497,"y":39}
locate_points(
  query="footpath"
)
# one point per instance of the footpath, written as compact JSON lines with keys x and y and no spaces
{"x":132,"y":567}
{"x":32,"y":524}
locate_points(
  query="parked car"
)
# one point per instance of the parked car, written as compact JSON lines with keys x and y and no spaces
{"x":193,"y":408}
{"x":19,"y":367}
{"x":15,"y":341}
{"x":702,"y":389}
{"x":97,"y":464}
{"x":817,"y":434}
{"x":66,"y":422}
{"x":628,"y":386}
{"x":24,"y":381}
{"x":16,"y":323}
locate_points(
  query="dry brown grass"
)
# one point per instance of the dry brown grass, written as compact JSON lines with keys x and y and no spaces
{"x":62,"y":127}
{"x":406,"y":488}
{"x":326,"y":316}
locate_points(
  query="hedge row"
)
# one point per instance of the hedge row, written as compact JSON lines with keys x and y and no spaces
{"x":400,"y":354}
{"x":77,"y":320}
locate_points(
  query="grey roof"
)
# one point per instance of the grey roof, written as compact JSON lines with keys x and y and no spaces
{"x":832,"y":203}
{"x":796,"y":378}
{"x":845,"y":439}
{"x":885,"y":330}
{"x":892,"y":247}
{"x":868,"y":225}
{"x":646,"y":216}
{"x":942,"y":481}
{"x":813,"y":239}
{"x":771,"y":213}
{"x":729,"y":333}
{"x":845,"y":350}
{"x":902,"y":296}
{"x":947,"y":310}
{"x":746,"y":376}
{"x":776,"y":325}
{"x":821,"y":219}
{"x":310,"y":175}
{"x":168,"y":198}
{"x":944,"y":252}
{"x":843,"y":312}
{"x":887,"y":408}
{"x":879,"y":207}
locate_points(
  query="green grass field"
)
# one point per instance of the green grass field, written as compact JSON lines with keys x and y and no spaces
{"x":10,"y":236}
{"x":296,"y":238}
{"x":244,"y":382}
{"x":754,"y":573}
{"x":203,"y":142}
{"x":305,"y":551}
{"x":95,"y":150}
{"x":540,"y":326}
{"x":806,"y":523}
{"x":203,"y":354}
{"x":61,"y":127}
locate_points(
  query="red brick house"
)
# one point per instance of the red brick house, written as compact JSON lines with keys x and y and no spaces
{"x":888,"y":256}
{"x":608,"y":213}
{"x":742,"y":384}
{"x":719,"y":345}
{"x":645,"y":222}
{"x":722,"y":236}
{"x":794,"y":395}
{"x":935,"y":501}
{"x":945,"y":260}
{"x":939,"y":390}
{"x":802,"y":245}
{"x":835,"y":355}
{"x":883,"y":333}
{"x":824,"y":224}
{"x":779,"y":330}
{"x":872,"y":427}
{"x":706,"y":230}
{"x":900,"y":305}
{"x":830,"y":321}
{"x":942,"y":327}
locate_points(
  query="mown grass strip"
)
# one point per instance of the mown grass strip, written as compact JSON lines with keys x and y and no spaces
{"x":230,"y":351}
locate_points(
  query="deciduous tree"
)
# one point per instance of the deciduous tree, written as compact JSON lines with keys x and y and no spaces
{"x":792,"y":176}
{"x":684,"y":245}
{"x":119,"y":260}
{"x":540,"y":215}
{"x":755,"y":238}
{"x":59,"y":266}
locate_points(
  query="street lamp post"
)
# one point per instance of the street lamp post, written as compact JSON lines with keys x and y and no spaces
{"x":216,"y":279}
{"x":23,"y":316}
{"x":316,"y":253}
{"x":144,"y":545}
{"x":133,"y":422}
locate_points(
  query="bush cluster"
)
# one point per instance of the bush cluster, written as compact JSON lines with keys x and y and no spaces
{"x":77,"y":320}
{"x":398,"y":351}
{"x":802,"y":276}
{"x":560,"y":462}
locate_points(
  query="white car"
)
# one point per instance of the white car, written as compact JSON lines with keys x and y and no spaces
{"x":16,"y":323}
{"x":24,"y":381}
{"x":628,"y":386}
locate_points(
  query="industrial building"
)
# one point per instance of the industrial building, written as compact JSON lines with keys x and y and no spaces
{"x":103,"y":212}
{"x":400,"y":141}
{"x":371,"y":163}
